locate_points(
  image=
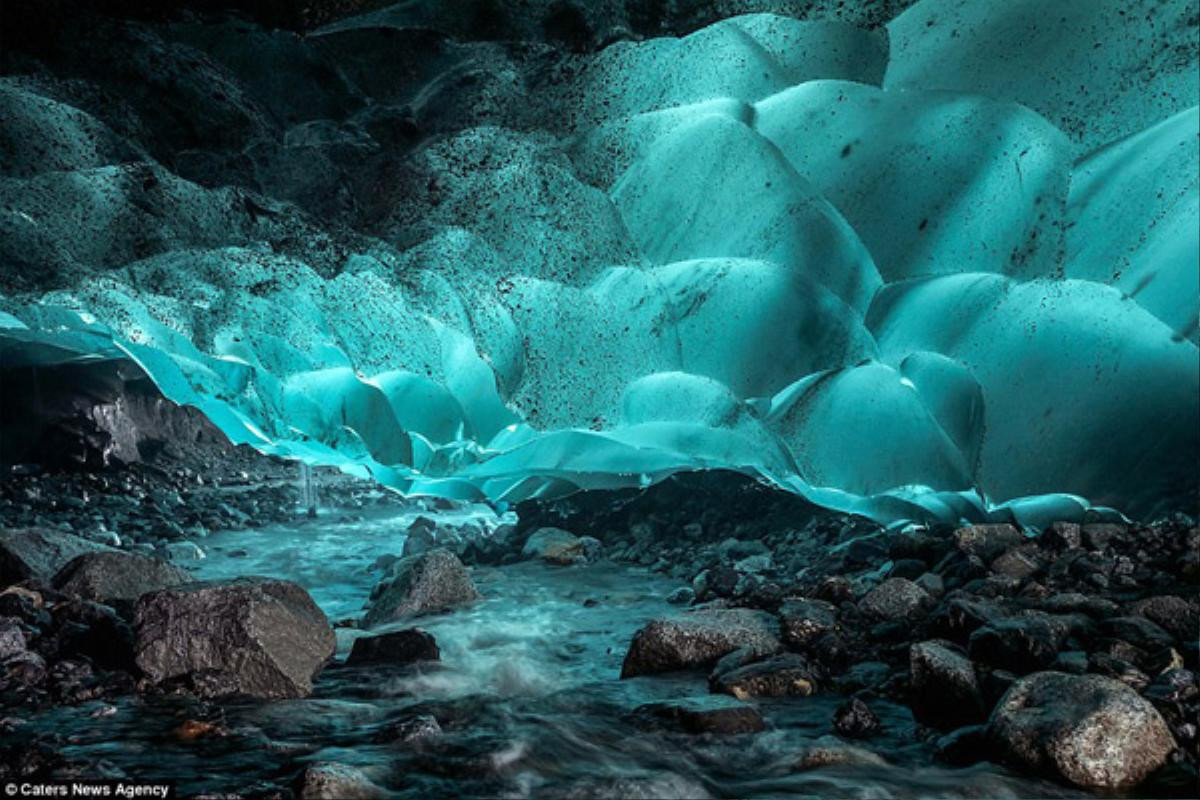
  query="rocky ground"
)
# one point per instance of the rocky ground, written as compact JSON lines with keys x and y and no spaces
{"x":1071,"y":655}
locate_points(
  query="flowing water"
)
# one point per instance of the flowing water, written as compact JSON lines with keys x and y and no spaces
{"x":526,"y":693}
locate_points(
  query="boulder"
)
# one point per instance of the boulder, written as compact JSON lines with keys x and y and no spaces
{"x":711,"y":714}
{"x":787,"y":675}
{"x":894,"y":600}
{"x":328,"y":780}
{"x":556,"y":546}
{"x":396,"y":647}
{"x":698,"y":639}
{"x":1092,"y":731}
{"x":259,"y":637}
{"x":945,"y":689}
{"x":803,"y":621}
{"x":423,"y":584}
{"x":38,"y":553}
{"x":116,"y":578}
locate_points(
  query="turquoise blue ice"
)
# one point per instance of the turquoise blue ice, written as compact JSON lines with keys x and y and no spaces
{"x":953,"y":276}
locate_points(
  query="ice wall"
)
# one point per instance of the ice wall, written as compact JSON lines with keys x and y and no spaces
{"x":926,"y":280}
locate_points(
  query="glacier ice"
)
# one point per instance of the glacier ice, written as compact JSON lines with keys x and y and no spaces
{"x":956,"y":278}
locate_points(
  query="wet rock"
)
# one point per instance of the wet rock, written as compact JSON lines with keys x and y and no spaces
{"x":945,"y":689}
{"x":1019,"y":562}
{"x":116,"y":578}
{"x":802,"y":621}
{"x":1089,"y":730}
{"x":38,"y":553}
{"x":932,"y":583}
{"x":397,"y":647}
{"x":1118,"y":669}
{"x":711,"y":714}
{"x":652,"y":787}
{"x":1098,"y":535}
{"x":1020,"y":644}
{"x":12,"y":638}
{"x":894,"y":600}
{"x":863,"y":675}
{"x":1074,"y":662}
{"x":698,"y":639}
{"x":829,"y":751}
{"x":1173,"y":614}
{"x":1138,"y":631}
{"x":963,"y":747}
{"x":83,"y":628}
{"x":1076,"y":602}
{"x":1062,"y":536}
{"x":328,"y":780}
{"x":987,"y":541}
{"x":554,"y":546}
{"x":424,"y":584}
{"x":682,"y":596}
{"x":787,"y":675}
{"x":420,"y":538}
{"x":412,"y":730}
{"x":855,"y":720}
{"x":252,"y":636}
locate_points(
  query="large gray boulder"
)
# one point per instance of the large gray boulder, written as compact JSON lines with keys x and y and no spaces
{"x":1089,"y":730}
{"x":699,"y":639}
{"x":38,"y":553}
{"x":427,"y":583}
{"x":258,"y":637}
{"x":116,"y":578}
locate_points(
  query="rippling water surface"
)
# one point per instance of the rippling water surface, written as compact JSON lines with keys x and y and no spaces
{"x":526,"y":693}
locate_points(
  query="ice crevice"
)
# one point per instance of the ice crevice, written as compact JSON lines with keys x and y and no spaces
{"x":915,"y":283}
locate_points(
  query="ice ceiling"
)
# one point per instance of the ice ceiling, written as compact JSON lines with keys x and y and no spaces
{"x":921,"y":271}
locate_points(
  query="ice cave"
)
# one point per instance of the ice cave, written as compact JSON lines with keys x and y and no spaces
{"x":600,"y":398}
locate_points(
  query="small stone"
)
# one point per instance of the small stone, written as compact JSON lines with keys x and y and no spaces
{"x":829,"y":751}
{"x":787,"y":675}
{"x":396,"y":647}
{"x":1090,"y":730}
{"x":962,"y":747}
{"x":1020,"y":644}
{"x":803,"y":621}
{"x":987,"y":541}
{"x":554,"y":546}
{"x":1173,"y":614}
{"x":682,"y":596}
{"x":411,"y":731}
{"x":713,"y":714}
{"x":855,"y":720}
{"x":1019,"y":562}
{"x":1098,"y":535}
{"x":12,"y":638}
{"x":894,"y":600}
{"x":932,"y":583}
{"x":1062,"y":536}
